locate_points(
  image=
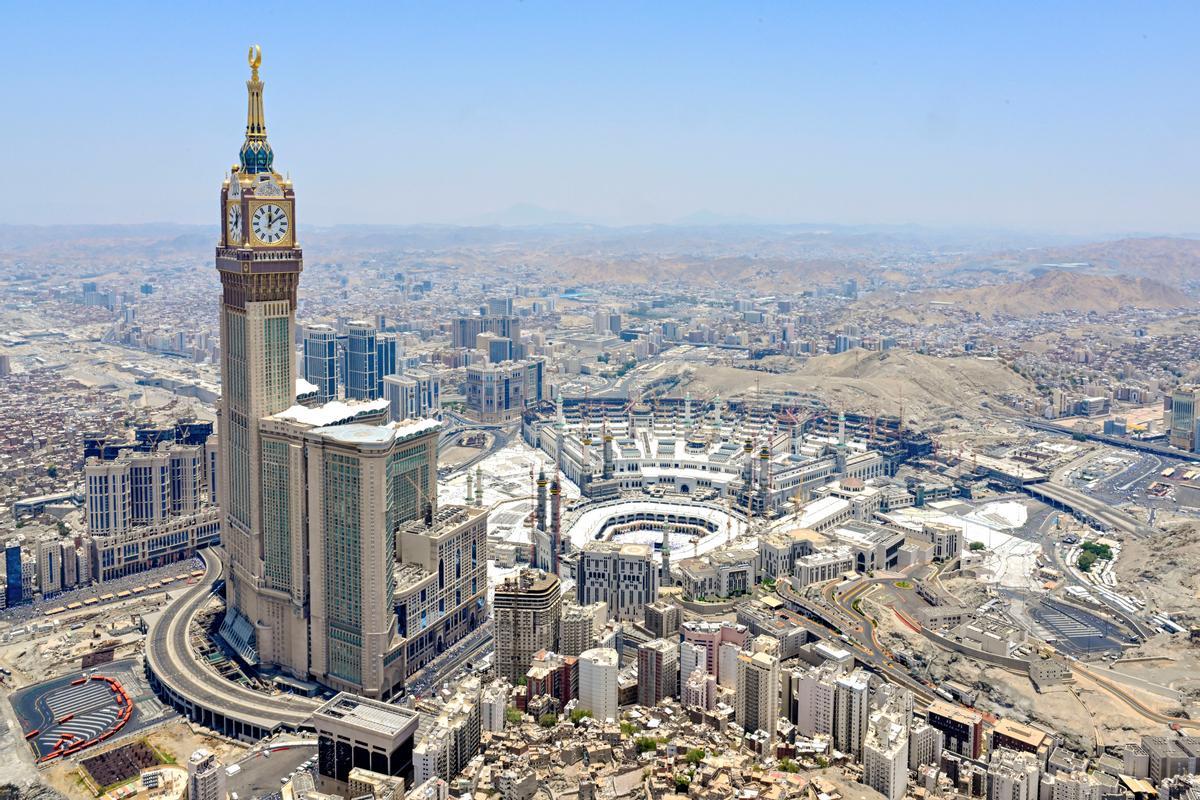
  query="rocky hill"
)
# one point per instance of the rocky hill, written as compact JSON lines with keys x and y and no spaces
{"x":1059,"y":290}
{"x":930,"y":388}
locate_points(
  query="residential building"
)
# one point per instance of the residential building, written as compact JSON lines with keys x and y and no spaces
{"x":663,"y":619}
{"x":598,"y":670}
{"x":415,"y":394}
{"x":580,"y":626}
{"x":851,"y":712}
{"x":527,"y":608}
{"x":1013,"y":775}
{"x":206,"y":776}
{"x":658,"y":671}
{"x":756,"y":704}
{"x":962,"y":728}
{"x":709,"y":636}
{"x":885,"y":755}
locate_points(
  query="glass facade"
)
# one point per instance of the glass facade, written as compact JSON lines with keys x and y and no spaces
{"x":343,"y":565}
{"x":362,"y":368}
{"x":276,"y":515}
{"x":235,"y":382}
{"x":320,"y":361}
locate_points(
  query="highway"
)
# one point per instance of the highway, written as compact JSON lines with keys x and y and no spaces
{"x":1076,"y":501}
{"x":1161,"y":450}
{"x":1128,"y":699}
{"x":184,"y":683}
{"x":858,"y":629}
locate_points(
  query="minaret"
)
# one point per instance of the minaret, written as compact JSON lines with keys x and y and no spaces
{"x":764,"y":472}
{"x":540,"y":508}
{"x":479,"y":486}
{"x":470,"y":498}
{"x":841,"y":445}
{"x":664,"y":579}
{"x":259,"y":263}
{"x":687,"y":411}
{"x":607,"y":471}
{"x":555,"y":523}
{"x":748,"y":464}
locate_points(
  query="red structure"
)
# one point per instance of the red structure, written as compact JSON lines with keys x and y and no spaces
{"x":68,"y":743}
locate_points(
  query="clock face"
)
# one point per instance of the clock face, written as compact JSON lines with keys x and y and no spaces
{"x":270,"y":223}
{"x":233,"y":222}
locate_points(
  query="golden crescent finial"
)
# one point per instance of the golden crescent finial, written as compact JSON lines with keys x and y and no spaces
{"x":255,"y":56}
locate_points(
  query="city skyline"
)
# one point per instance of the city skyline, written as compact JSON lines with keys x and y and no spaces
{"x":1055,"y":120}
{"x":650,"y":512}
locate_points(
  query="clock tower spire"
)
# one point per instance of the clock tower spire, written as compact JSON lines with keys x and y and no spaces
{"x":256,"y":155}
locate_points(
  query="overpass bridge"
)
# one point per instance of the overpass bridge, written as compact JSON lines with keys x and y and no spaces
{"x":179,"y":678}
{"x":1092,"y":510}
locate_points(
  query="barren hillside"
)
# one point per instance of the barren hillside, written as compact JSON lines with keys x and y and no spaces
{"x":1167,"y":563}
{"x":1065,"y":291}
{"x":929,"y":387}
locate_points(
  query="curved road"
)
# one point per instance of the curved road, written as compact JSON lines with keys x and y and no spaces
{"x":179,"y":678}
{"x":860,"y":632}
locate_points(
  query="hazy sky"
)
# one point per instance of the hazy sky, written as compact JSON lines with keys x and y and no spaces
{"x":1055,"y":116}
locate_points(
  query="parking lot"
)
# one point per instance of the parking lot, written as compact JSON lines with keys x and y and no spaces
{"x":1075,"y":630}
{"x":259,"y":774}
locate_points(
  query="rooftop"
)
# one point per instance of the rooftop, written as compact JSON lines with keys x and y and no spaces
{"x":332,"y":413}
{"x":368,"y":716}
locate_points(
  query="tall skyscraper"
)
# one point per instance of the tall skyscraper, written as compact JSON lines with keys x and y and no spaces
{"x":259,"y":262}
{"x":1185,"y":418}
{"x":320,"y":361}
{"x":362,"y":361}
{"x":387,"y":359}
{"x":12,"y":573}
{"x":319,"y":504}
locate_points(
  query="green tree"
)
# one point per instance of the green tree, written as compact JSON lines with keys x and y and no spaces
{"x":695,"y":756}
{"x":978,"y":546}
{"x":513,"y":715}
{"x":787,"y":765}
{"x":628,"y":728}
{"x":52,"y":470}
{"x":1086,"y":560}
{"x":646,"y":743}
{"x":682,"y":782}
{"x":548,"y":720}
{"x":579,"y":714}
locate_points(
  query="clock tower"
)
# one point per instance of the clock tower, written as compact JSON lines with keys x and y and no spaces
{"x":259,"y":262}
